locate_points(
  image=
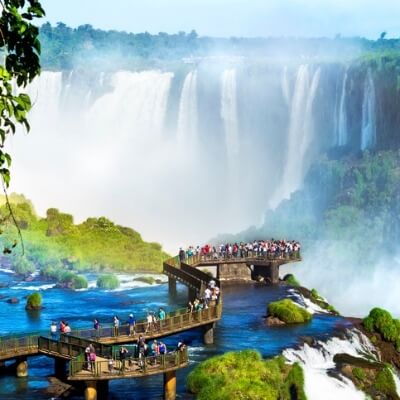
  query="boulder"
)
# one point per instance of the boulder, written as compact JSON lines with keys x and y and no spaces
{"x":273,"y":321}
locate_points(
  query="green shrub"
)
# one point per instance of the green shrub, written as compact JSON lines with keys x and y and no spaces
{"x":245,"y":375}
{"x":109,"y":282}
{"x":293,"y":387}
{"x":381,"y":321}
{"x":79,"y":282}
{"x":291,"y":280}
{"x":315,"y":294}
{"x":34,"y":301}
{"x":389,"y":332}
{"x":359,"y":374}
{"x":384,"y":383}
{"x":368,"y":323}
{"x":23,"y":266}
{"x":288,"y":311}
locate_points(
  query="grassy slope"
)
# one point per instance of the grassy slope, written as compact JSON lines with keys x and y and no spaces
{"x":96,"y":244}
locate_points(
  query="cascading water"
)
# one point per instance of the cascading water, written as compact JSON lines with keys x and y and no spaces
{"x":342,"y":115}
{"x":368,"y":123}
{"x":285,"y":85}
{"x":300,"y":132}
{"x":229,"y":113}
{"x":232,"y":130}
{"x":317,"y":360}
{"x":188,"y":110}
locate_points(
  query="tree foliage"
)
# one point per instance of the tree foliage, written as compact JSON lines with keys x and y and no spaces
{"x":20,"y":46}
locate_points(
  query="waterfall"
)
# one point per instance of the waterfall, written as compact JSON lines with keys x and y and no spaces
{"x":300,"y":133}
{"x":317,"y":360}
{"x":285,"y":85}
{"x":45,"y":96}
{"x":140,"y":101}
{"x":229,"y":113}
{"x":368,"y":123}
{"x":187,"y":117}
{"x":342,"y":117}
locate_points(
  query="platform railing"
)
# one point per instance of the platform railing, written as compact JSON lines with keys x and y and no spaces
{"x":59,"y":348}
{"x":174,"y":321}
{"x":247,"y":254}
{"x":18,"y":344}
{"x":129,"y":366}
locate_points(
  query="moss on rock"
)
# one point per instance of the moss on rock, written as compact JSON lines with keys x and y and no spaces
{"x":288,"y":311}
{"x":246,"y":375}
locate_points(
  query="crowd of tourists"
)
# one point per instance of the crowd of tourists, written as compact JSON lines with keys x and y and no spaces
{"x":210,"y":297}
{"x":258,"y":248}
{"x":139,"y":354}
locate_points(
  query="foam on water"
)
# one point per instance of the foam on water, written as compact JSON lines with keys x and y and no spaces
{"x":7,"y":271}
{"x":302,"y":301}
{"x":317,"y":360}
{"x":33,"y":287}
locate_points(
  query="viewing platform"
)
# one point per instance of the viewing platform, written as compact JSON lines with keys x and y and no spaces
{"x":228,"y":269}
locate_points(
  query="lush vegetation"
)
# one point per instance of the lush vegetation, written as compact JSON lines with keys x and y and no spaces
{"x":291,"y":280}
{"x":61,"y":249}
{"x":108,"y":281}
{"x":245,"y":375}
{"x":346,"y":202}
{"x":34,"y":301}
{"x":384,"y":383}
{"x":20,"y":48}
{"x":373,"y":377}
{"x":381,"y":321}
{"x":288,"y":311}
{"x":66,"y":48}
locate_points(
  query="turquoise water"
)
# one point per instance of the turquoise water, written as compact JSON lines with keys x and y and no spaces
{"x":241,"y":327}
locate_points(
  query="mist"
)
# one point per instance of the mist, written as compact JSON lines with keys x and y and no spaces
{"x":187,"y":148}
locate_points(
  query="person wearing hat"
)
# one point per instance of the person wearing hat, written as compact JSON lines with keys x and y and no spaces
{"x":132,"y":324}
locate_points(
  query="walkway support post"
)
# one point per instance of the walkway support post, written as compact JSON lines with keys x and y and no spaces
{"x":170,"y":385}
{"x":208,"y":335}
{"x":60,"y":368}
{"x":172,"y":286}
{"x":21,"y":367}
{"x":90,"y":390}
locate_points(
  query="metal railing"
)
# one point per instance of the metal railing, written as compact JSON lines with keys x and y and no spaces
{"x":129,"y":366}
{"x":251,"y":255}
{"x":18,"y":345}
{"x":174,"y":321}
{"x":59,"y":348}
{"x":181,"y":275}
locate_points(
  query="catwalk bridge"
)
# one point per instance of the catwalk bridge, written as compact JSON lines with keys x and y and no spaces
{"x":68,"y":350}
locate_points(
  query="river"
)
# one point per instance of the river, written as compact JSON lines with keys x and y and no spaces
{"x":242,"y":326}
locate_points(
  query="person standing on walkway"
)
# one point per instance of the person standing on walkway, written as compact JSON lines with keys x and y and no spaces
{"x":92,"y":357}
{"x":132,"y":325}
{"x":53,"y":330}
{"x":116,"y":325}
{"x":123,"y":351}
{"x":161,"y":316}
{"x":182,"y":255}
{"x":96,"y":326}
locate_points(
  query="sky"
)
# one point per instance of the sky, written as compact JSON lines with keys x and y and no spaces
{"x":225,"y":18}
